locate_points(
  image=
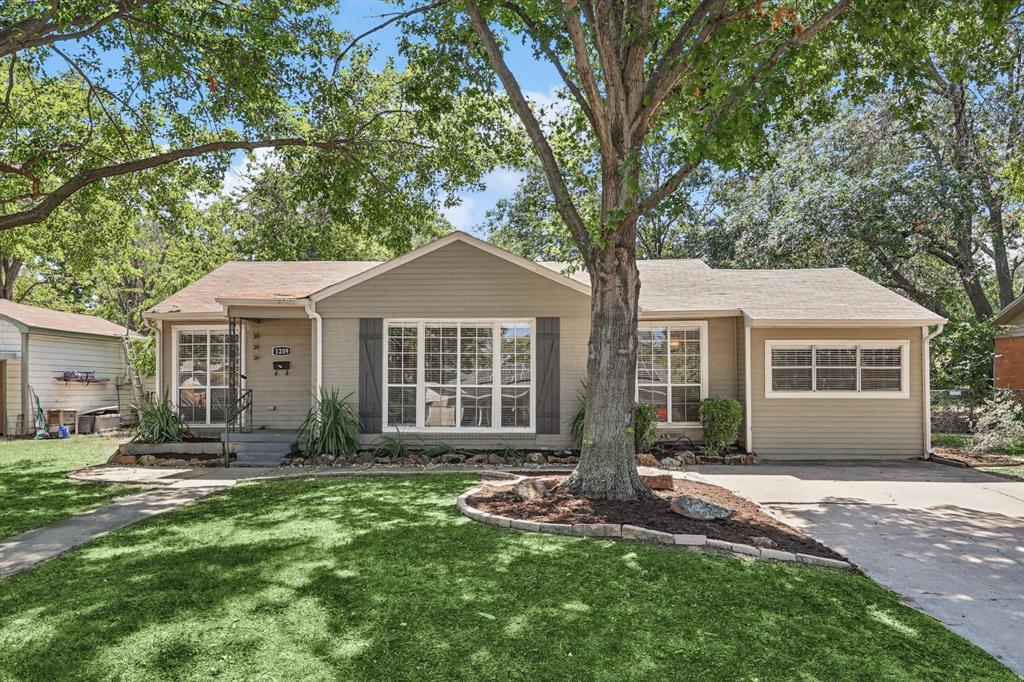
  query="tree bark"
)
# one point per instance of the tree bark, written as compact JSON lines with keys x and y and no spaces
{"x":10,"y":268}
{"x":607,"y":466}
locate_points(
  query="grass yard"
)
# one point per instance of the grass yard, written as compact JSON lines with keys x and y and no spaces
{"x":1011,"y":472}
{"x":378,"y":578}
{"x":34,"y":488}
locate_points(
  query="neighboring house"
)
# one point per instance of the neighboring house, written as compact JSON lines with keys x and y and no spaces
{"x":38,"y":345}
{"x":462,"y":342}
{"x":1009,"y":364}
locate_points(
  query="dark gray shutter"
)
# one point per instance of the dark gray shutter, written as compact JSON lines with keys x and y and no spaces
{"x":371,"y":373}
{"x":548,"y":375}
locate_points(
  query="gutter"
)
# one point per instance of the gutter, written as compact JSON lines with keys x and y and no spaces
{"x":318,"y":375}
{"x":926,"y":381}
{"x":748,"y":396}
{"x":158,"y":329}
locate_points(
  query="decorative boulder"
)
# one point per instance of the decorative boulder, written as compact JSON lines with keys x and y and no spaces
{"x":123,"y":460}
{"x":762,"y":541}
{"x":535,"y":458}
{"x":147,"y":460}
{"x":657,"y":481}
{"x":700,"y":510}
{"x":477,"y":459}
{"x":452,"y":458}
{"x":646,"y":460}
{"x":533,"y":488}
{"x":494,"y":459}
{"x":670,"y":463}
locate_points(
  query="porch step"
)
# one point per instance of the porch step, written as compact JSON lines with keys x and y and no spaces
{"x":259,"y":459}
{"x":262,"y":448}
{"x":263,"y":436}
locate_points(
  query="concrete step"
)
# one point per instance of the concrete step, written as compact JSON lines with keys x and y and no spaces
{"x":259,"y":459}
{"x":264,"y":446}
{"x":262,"y":437}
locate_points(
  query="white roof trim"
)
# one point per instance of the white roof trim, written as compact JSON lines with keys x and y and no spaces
{"x":178,"y":315}
{"x":846,"y":322}
{"x":456,"y":236}
{"x":262,"y":302}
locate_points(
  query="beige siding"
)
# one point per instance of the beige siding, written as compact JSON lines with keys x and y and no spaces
{"x":49,"y":355}
{"x":282,"y":401}
{"x":1015,"y":327}
{"x":10,"y":400}
{"x":813,"y":428}
{"x":722,"y":357}
{"x":739,"y":331}
{"x":457,"y":280}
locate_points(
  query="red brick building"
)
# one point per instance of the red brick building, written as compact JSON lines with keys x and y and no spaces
{"x":1009,"y":364}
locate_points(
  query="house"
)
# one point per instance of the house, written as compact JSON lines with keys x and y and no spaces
{"x":465,"y":343}
{"x":1009,"y":361}
{"x":68,"y":361}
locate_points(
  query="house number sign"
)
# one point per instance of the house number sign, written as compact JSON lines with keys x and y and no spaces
{"x":282,"y":350}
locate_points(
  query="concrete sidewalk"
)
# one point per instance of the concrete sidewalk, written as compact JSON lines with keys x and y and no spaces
{"x":950,"y":541}
{"x":42,"y":544}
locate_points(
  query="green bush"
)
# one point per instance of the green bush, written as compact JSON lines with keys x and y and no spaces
{"x":159,"y":422}
{"x":720,"y":418}
{"x":331,"y":426}
{"x":644,"y":429}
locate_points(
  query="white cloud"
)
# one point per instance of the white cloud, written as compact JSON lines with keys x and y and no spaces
{"x":461,"y":214}
{"x":242,"y":166}
{"x":469,"y":213}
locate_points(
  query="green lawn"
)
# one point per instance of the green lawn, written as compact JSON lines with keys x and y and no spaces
{"x":34,"y":488}
{"x":379,"y":578}
{"x":1012,"y":472}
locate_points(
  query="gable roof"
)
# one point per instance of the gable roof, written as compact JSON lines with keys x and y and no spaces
{"x":33,"y":318}
{"x":832,"y":295}
{"x":1011,"y":311}
{"x":673,"y":286}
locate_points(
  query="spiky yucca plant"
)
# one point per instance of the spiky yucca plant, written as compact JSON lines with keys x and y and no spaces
{"x":159,"y":422}
{"x":331,"y":426}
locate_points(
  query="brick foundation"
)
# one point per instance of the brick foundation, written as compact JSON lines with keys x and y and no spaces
{"x":1009,"y":366}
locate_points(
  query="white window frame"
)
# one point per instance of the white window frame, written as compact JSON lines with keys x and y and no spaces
{"x":496,"y":385}
{"x":814,"y":344}
{"x":702,"y":325}
{"x":208,"y":328}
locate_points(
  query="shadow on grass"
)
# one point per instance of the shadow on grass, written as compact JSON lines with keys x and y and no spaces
{"x":380,"y":579}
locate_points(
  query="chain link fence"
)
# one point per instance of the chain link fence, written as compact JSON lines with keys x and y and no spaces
{"x":956,"y":410}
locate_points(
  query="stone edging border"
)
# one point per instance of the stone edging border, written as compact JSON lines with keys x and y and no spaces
{"x":700,"y":543}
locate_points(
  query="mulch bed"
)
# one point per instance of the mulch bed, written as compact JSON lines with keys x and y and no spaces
{"x":977,"y":459}
{"x":748,"y":520}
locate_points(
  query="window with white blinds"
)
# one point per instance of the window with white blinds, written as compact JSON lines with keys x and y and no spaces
{"x":671,"y":370}
{"x":838,"y":369}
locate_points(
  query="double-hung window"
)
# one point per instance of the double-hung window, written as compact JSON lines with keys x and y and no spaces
{"x":459,"y":375}
{"x":836,"y":369}
{"x":671,"y":371}
{"x":202,"y":373}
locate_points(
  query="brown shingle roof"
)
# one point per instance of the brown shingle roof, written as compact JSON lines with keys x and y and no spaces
{"x":678,"y":285}
{"x":57,"y":320}
{"x":271,"y":280}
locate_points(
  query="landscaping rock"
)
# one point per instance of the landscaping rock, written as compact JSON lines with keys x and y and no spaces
{"x":494,"y":459}
{"x":147,"y":461}
{"x":452,"y":458}
{"x":670,"y":463}
{"x":777,"y":555}
{"x":647,"y":460}
{"x":533,"y":488}
{"x":657,"y":481}
{"x":328,"y":460}
{"x":477,"y":459}
{"x":734,"y":459}
{"x":709,"y":459}
{"x":598,"y":530}
{"x":689,"y":458}
{"x":535,"y":458}
{"x":762,"y":541}
{"x":365,"y":458}
{"x":750,"y":459}
{"x":123,"y":460}
{"x":700,"y":510}
{"x":646,"y":534}
{"x":691,"y":540}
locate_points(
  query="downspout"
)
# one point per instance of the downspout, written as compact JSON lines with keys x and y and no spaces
{"x":747,"y":390}
{"x":318,"y":374}
{"x":158,"y":340}
{"x":926,"y":371}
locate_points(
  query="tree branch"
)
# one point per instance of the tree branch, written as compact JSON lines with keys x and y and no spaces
{"x":384,"y":24}
{"x":563,"y":200}
{"x":52,"y":200}
{"x":42,"y":31}
{"x":586,"y":73}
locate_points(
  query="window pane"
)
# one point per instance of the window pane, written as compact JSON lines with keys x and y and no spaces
{"x":657,"y":398}
{"x":402,"y":406}
{"x":793,"y":356}
{"x":515,"y":354}
{"x":440,"y":360}
{"x":836,"y":357}
{"x":402,"y":342}
{"x":652,"y":355}
{"x":880,"y":379}
{"x":476,"y":407}
{"x":685,"y":403}
{"x":791,"y":379}
{"x":476,"y":346}
{"x":439,"y":406}
{"x":515,"y":407}
{"x":685,"y":345}
{"x":192,"y":405}
{"x":880,"y":357}
{"x":218,"y":404}
{"x":833,"y":379}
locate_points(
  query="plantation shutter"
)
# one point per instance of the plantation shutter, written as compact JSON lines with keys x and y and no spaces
{"x":371,"y":373}
{"x":548,"y":375}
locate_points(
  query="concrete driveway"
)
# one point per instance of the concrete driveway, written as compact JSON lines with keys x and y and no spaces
{"x":950,"y":541}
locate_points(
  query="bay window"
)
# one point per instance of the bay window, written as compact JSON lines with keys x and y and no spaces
{"x":671,"y":374}
{"x":459,"y":375}
{"x":836,"y":369}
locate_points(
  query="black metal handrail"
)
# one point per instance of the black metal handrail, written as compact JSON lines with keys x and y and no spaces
{"x":238,"y":415}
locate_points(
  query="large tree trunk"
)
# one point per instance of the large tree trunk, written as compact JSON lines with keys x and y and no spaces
{"x":10,"y":268}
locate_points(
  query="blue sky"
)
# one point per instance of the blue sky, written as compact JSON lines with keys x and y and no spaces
{"x":538,"y":79}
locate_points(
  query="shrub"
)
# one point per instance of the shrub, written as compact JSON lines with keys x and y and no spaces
{"x":644,"y":428}
{"x":159,"y":422}
{"x":332,"y":425}
{"x":720,"y":418}
{"x":1000,"y":424}
{"x":395,"y":447}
